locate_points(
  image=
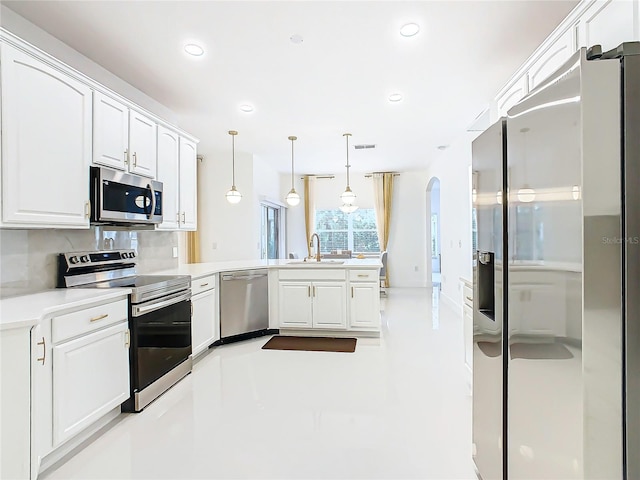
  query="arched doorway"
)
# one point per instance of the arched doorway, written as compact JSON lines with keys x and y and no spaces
{"x":434,"y":255}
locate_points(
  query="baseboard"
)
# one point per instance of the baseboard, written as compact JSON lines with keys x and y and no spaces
{"x":329,"y":333}
{"x":448,"y":301}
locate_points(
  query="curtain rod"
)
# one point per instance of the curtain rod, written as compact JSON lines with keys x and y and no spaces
{"x":369,"y":175}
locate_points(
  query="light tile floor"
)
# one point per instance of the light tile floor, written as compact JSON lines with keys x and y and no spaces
{"x":399,"y":407}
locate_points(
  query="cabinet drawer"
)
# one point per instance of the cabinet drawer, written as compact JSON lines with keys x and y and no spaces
{"x":312,"y":273}
{"x":77,"y":323}
{"x":468,"y":296}
{"x":364,"y":275}
{"x":203,"y":284}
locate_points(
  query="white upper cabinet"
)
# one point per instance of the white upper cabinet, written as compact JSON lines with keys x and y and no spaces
{"x":168,"y":174}
{"x":609,"y":23}
{"x":110,"y":132}
{"x":508,"y":98}
{"x":188,"y":185}
{"x":553,"y":58}
{"x":142,"y":144}
{"x":46,"y":144}
{"x":177,"y":170}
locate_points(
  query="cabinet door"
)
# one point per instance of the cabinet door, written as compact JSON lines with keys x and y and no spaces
{"x":609,"y":23}
{"x":295,"y":304}
{"x":142,"y":145}
{"x":168,"y":174}
{"x":41,"y":397}
{"x":90,"y":378}
{"x":110,"y":132}
{"x":188,"y":185}
{"x":46,"y":144}
{"x":364,"y":303}
{"x":552,"y":59}
{"x":329,"y":305}
{"x":203,"y":329}
{"x":513,"y":95}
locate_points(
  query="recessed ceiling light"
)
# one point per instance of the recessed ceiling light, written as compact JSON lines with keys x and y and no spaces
{"x":246,"y":108}
{"x":442,"y":147}
{"x":395,"y":97}
{"x":194,"y":50}
{"x":296,"y":38}
{"x":409,"y":30}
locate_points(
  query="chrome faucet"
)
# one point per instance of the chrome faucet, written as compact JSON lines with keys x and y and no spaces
{"x":318,"y":249}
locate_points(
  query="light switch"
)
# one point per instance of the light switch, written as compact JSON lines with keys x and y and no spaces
{"x":175,"y":252}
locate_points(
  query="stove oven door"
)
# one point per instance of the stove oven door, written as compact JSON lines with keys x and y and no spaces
{"x":160,"y":344}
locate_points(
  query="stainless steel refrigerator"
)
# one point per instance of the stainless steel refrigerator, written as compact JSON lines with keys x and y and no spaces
{"x":556,"y":382}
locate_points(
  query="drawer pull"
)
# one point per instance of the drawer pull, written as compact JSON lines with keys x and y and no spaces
{"x":351,"y":292}
{"x":362,"y":275}
{"x":99,"y":317}
{"x":470,"y":299}
{"x":127,"y":341}
{"x":314,"y":290}
{"x":309,"y":291}
{"x":44,"y":351}
{"x":204,"y":284}
{"x":135,"y":159}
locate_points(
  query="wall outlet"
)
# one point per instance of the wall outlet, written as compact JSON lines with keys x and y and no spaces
{"x":214,"y":245}
{"x":175,"y":252}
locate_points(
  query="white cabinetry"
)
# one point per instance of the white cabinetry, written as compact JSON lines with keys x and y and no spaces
{"x":609,"y":23}
{"x":177,"y":170}
{"x":142,"y":144}
{"x":46,"y":144}
{"x":110,"y":132}
{"x":553,"y":58}
{"x":79,"y":373}
{"x":90,"y":377}
{"x":313,"y":304}
{"x":364,"y":302}
{"x":512,"y":95}
{"x":205,"y":325}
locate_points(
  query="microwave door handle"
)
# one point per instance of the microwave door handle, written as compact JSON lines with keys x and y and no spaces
{"x":153,"y":201}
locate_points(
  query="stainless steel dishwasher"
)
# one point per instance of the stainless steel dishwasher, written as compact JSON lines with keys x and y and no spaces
{"x":244,"y":304}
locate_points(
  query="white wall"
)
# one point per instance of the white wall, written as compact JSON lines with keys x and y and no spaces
{"x":227,"y":232}
{"x":452,"y":167}
{"x":29,"y":32}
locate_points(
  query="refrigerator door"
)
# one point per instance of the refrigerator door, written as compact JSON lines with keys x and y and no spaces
{"x":488,"y":392}
{"x":631,"y":225}
{"x":564,"y":340}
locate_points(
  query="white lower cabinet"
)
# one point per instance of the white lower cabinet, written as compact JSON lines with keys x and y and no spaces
{"x":313,"y":305}
{"x":364,"y":306}
{"x":79,"y":373}
{"x":90,"y":378}
{"x":205,"y":327}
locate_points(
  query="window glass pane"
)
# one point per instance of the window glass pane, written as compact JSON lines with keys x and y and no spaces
{"x":342,"y":231}
{"x":365,"y":241}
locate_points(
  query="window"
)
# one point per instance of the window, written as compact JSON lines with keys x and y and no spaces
{"x":340,"y":231}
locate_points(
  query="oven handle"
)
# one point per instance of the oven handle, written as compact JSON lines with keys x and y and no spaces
{"x":138,"y":310}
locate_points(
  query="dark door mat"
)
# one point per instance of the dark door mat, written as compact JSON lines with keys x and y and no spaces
{"x":311,"y":344}
{"x":540,"y":351}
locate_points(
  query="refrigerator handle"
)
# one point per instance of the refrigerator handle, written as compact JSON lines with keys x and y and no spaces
{"x":487,"y":284}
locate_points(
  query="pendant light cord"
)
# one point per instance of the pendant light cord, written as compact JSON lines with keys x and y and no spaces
{"x":291,"y":163}
{"x":347,"y":135}
{"x":233,"y":160}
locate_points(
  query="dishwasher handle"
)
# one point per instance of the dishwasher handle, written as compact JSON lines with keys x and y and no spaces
{"x":243,"y":276}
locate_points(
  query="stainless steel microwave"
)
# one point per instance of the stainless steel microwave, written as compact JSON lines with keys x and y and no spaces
{"x":119,"y":198}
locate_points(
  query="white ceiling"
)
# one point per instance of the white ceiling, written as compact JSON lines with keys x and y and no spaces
{"x":337,"y":80}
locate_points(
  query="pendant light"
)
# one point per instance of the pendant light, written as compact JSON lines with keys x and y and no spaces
{"x":293,"y":198}
{"x":233,"y":195}
{"x":348,"y":197}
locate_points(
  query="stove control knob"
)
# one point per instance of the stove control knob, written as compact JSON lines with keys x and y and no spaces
{"x":84,"y":258}
{"x":132,"y":254}
{"x":73,"y":260}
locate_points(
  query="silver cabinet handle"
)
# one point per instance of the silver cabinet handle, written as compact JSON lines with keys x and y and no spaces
{"x":314,"y":290}
{"x":204,"y":284}
{"x":184,"y":217}
{"x":309,"y":291}
{"x":127,"y":341}
{"x":87,"y":209}
{"x":362,"y":275}
{"x":178,"y":215}
{"x":470,"y":299}
{"x":126,"y":156}
{"x":135,"y":160}
{"x":44,"y":351}
{"x":99,"y":317}
{"x":137,"y":311}
{"x":351,"y":292}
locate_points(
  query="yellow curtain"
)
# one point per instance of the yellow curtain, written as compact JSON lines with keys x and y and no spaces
{"x":382,"y":195}
{"x":192,"y":244}
{"x":309,"y":209}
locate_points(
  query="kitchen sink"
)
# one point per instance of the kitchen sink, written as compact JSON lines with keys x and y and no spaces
{"x":313,"y":262}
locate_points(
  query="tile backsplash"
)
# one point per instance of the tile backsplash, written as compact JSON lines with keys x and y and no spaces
{"x":28,"y":258}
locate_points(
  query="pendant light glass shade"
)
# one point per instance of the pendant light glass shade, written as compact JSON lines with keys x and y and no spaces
{"x":526,"y":195}
{"x":292,"y":198}
{"x":233,"y":195}
{"x":348,"y":197}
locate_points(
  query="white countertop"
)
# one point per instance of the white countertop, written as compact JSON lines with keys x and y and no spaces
{"x":27,"y":310}
{"x":197,"y":270}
